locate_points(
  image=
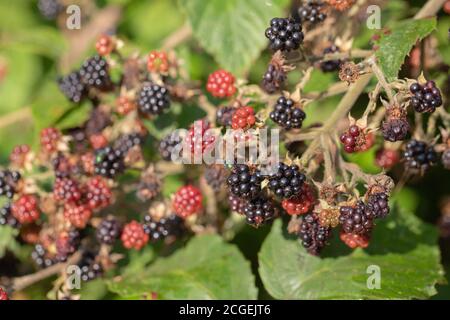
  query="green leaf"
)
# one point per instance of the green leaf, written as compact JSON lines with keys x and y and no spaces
{"x":233,"y":30}
{"x":8,"y":240}
{"x":394,"y":47}
{"x":403,"y":247}
{"x":207,"y":268}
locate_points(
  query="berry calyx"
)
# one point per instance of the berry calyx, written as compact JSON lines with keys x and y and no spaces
{"x":221,"y":84}
{"x":244,"y":182}
{"x":25,"y":209}
{"x":300,"y":204}
{"x":50,"y":138}
{"x":287,"y":115}
{"x":104,"y":45}
{"x":287,"y":181}
{"x":284,"y":34}
{"x":386,"y":158}
{"x":157,"y":62}
{"x":243,"y":118}
{"x":187,"y":201}
{"x":426,"y":98}
{"x":354,"y":240}
{"x":133,"y":236}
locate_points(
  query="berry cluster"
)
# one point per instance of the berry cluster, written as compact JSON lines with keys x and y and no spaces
{"x":284,"y":34}
{"x":25,"y":209}
{"x":66,"y":190}
{"x":313,"y":235}
{"x":312,"y":12}
{"x":286,"y":114}
{"x":355,"y":219}
{"x":243,"y":118}
{"x":187,"y":201}
{"x":419,"y":156}
{"x":153,"y":99}
{"x":168,"y":144}
{"x":287,"y":181}
{"x":73,"y":87}
{"x":244,"y":182}
{"x":426,"y":98}
{"x":259,"y":211}
{"x":50,"y":138}
{"x":95,"y":73}
{"x":378,"y":205}
{"x":356,"y":140}
{"x":221,"y":84}
{"x":109,"y":162}
{"x":133,"y":236}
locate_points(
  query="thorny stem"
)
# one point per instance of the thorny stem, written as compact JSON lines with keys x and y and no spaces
{"x":381,"y":79}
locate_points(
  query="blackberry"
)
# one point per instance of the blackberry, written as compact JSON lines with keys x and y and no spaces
{"x":224,"y":116}
{"x":356,"y":219}
{"x":41,"y":257}
{"x":259,"y":211}
{"x":330,"y":65}
{"x":95,"y":73}
{"x":98,"y":194}
{"x":426,"y":98}
{"x":125,"y":142}
{"x":172,"y":225}
{"x":97,"y":122}
{"x":419,"y":156}
{"x":284,"y":34}
{"x":108,"y":231}
{"x":8,"y":183}
{"x":66,"y":190}
{"x":90,"y":269}
{"x":236,"y":204}
{"x":446,"y":159}
{"x":312,"y":12}
{"x":244,"y":183}
{"x":49,"y":9}
{"x":153,"y":99}
{"x":287,"y":181}
{"x":6,"y":217}
{"x":72,"y":87}
{"x":168,"y":144}
{"x":287,"y":115}
{"x":215,"y":176}
{"x":313,"y":236}
{"x":273,"y":78}
{"x":395,"y":129}
{"x":149,"y":185}
{"x":66,"y":244}
{"x":109,"y":162}
{"x":378,"y":205}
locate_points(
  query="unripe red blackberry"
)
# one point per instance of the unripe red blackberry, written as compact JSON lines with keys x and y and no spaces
{"x":355,"y":240}
{"x":386,"y":158}
{"x":236,"y":204}
{"x":8,"y":183}
{"x":287,"y":115}
{"x":66,"y":244}
{"x":168,"y":144}
{"x":419,"y":156}
{"x":446,"y":159}
{"x":245,"y":182}
{"x":19,"y":155}
{"x":330,"y":65}
{"x":355,"y":219}
{"x":6,"y":217}
{"x":157,"y":61}
{"x":41,"y":257}
{"x":125,"y":105}
{"x":301,"y":203}
{"x":98,"y":141}
{"x":187,"y":201}
{"x":378,"y":205}
{"x":77,"y":214}
{"x":313,"y":236}
{"x":50,"y":138}
{"x":109,"y":162}
{"x":98,"y":194}
{"x":224,"y":116}
{"x":243,"y":118}
{"x":153,"y":99}
{"x":25,"y":209}
{"x":66,"y":190}
{"x":133,"y":236}
{"x":73,"y":87}
{"x":287,"y":181}
{"x":284,"y":34}
{"x":216,"y":176}
{"x":355,"y":139}
{"x":426,"y":98}
{"x":259,"y":211}
{"x":200,"y":137}
{"x":312,"y":12}
{"x":221,"y":84}
{"x":104,"y":45}
{"x":95,"y":73}
{"x":108,"y":231}
{"x":3,"y":295}
{"x":159,"y":229}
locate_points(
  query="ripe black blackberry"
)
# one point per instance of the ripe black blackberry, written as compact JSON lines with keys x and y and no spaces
{"x":273,"y":78}
{"x":49,"y":9}
{"x":313,"y":235}
{"x":287,"y":115}
{"x":109,"y":162}
{"x":41,"y":257}
{"x":395,"y":129}
{"x":215,"y":176}
{"x":8,"y":182}
{"x":153,"y":99}
{"x":72,"y":87}
{"x":224,"y":116}
{"x":312,"y":12}
{"x":168,"y":144}
{"x":355,"y":219}
{"x":125,"y":142}
{"x":330,"y":65}
{"x":287,"y":181}
{"x":108,"y":231}
{"x":419,"y":155}
{"x":244,"y":183}
{"x":236,"y":204}
{"x":172,"y":225}
{"x":259,"y":211}
{"x":426,"y":98}
{"x":378,"y":205}
{"x":446,"y":159}
{"x":90,"y":269}
{"x":66,"y":244}
{"x":6,"y":217}
{"x":95,"y":73}
{"x":285,"y":34}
